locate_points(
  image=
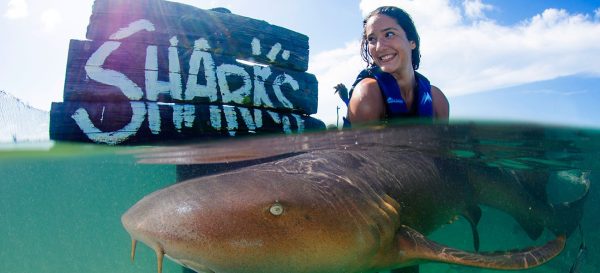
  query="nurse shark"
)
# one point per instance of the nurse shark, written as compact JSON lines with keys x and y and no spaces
{"x":348,"y":201}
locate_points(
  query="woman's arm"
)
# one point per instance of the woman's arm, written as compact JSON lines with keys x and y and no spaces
{"x":441,"y":107}
{"x":366,"y":103}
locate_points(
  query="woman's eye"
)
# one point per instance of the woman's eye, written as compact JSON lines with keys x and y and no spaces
{"x":371,"y":40}
{"x":389,"y":34}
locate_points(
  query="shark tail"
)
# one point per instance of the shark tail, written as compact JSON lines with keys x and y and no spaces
{"x":523,"y":195}
{"x":567,"y":216}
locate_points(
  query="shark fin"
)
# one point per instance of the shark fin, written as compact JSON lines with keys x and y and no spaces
{"x":415,"y":248}
{"x":473,"y":215}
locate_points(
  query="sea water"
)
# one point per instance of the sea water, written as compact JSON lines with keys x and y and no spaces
{"x":61,"y":203}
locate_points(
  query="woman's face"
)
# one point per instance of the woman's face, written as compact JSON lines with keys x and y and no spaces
{"x":388,"y":45}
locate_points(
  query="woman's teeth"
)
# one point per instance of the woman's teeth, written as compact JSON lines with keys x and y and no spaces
{"x":386,"y":58}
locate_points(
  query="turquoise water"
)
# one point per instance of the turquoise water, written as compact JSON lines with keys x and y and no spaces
{"x":60,"y":204}
{"x":60,"y":209}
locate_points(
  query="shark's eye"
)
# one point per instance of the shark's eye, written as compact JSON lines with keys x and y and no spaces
{"x":276,"y":209}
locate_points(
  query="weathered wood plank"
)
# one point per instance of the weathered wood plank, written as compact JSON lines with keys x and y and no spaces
{"x":139,"y":122}
{"x":157,"y":21}
{"x":111,"y":71}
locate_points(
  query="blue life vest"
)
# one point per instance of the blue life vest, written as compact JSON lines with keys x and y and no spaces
{"x":390,"y":91}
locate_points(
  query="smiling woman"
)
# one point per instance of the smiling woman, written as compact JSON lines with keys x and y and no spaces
{"x":390,"y":87}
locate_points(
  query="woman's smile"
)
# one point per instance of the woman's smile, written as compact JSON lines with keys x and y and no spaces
{"x":387,"y":57}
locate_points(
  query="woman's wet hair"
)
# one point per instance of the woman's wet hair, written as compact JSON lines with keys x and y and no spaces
{"x":405,"y":21}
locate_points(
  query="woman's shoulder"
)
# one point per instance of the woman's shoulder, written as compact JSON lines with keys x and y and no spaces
{"x":441,"y":107}
{"x":366,"y":103}
{"x":366,"y":87}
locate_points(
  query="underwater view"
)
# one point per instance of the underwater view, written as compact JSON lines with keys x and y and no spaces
{"x":172,"y":136}
{"x":61,"y":203}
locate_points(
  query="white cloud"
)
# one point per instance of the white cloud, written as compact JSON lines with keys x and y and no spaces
{"x":474,"y":9}
{"x":50,"y":18}
{"x":17,"y":9}
{"x":557,"y":93}
{"x":331,"y":68}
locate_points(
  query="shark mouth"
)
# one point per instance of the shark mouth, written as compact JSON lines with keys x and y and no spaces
{"x":160,"y":254}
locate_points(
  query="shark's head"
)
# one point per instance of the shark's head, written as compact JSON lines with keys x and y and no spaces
{"x":259,"y":222}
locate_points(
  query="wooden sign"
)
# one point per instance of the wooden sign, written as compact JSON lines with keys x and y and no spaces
{"x":185,"y":75}
{"x":154,"y":70}
{"x":225,"y":33}
{"x":143,"y":122}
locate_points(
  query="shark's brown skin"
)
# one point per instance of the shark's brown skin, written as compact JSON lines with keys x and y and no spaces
{"x":361,"y":208}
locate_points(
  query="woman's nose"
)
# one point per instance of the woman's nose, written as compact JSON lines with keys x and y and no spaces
{"x":380,"y":44}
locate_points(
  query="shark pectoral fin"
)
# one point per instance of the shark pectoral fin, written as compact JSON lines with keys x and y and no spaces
{"x":415,"y":248}
{"x":473,"y":215}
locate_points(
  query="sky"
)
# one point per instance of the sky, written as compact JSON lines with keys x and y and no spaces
{"x":494,"y":59}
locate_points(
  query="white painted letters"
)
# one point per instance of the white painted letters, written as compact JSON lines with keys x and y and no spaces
{"x":133,"y":28}
{"x":154,"y":121}
{"x":200,"y":55}
{"x":183,"y":115}
{"x":231,"y":119}
{"x":256,"y":50}
{"x":248,"y":119}
{"x":217,"y":81}
{"x":154,"y":87}
{"x":285,"y":121}
{"x":261,"y":74}
{"x":82,"y":119}
{"x":281,"y":80}
{"x":299,"y":123}
{"x":215,"y":117}
{"x":272,"y":55}
{"x":237,"y":96}
{"x":95,"y":71}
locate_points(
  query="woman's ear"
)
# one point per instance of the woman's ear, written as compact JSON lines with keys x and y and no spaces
{"x":413,"y":45}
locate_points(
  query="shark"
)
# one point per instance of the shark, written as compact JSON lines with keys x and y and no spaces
{"x":361,"y":200}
